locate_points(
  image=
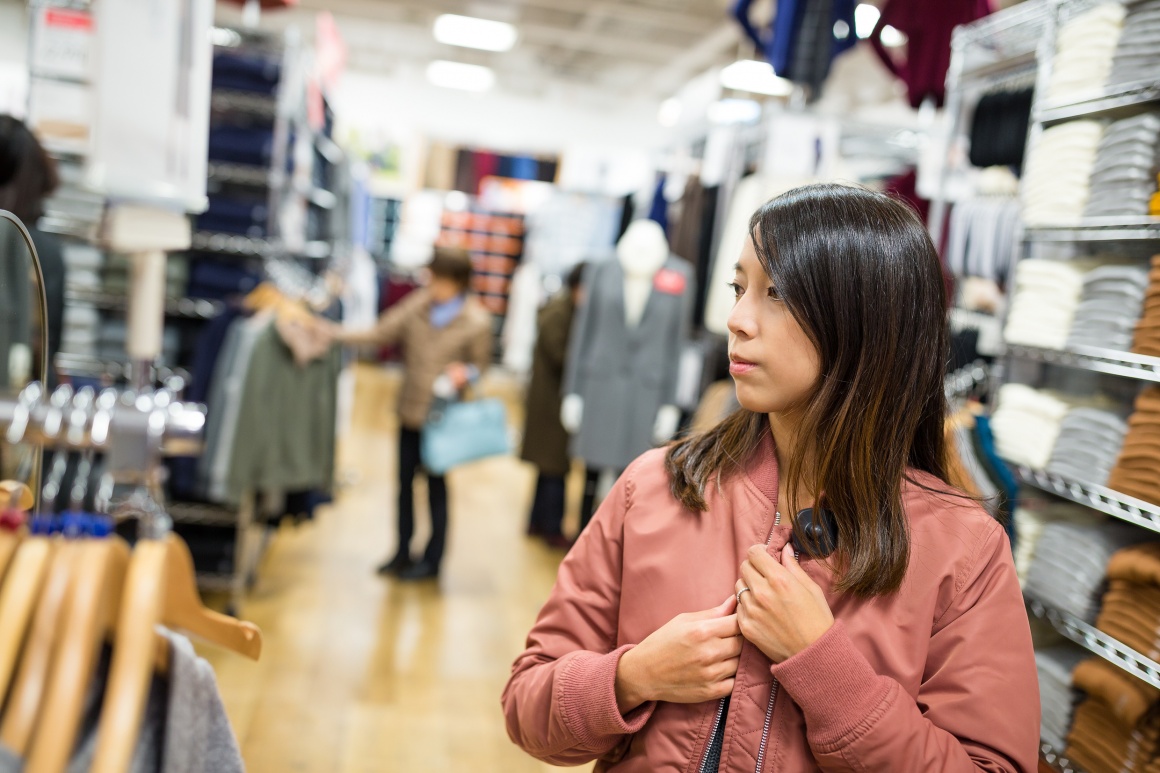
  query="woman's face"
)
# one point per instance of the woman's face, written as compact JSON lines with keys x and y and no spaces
{"x":772,"y":360}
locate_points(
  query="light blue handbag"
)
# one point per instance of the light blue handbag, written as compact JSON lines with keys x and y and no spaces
{"x":460,"y":432}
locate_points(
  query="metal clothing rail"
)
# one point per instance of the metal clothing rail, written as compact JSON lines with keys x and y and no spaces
{"x":1096,"y":641}
{"x":1056,"y":760}
{"x":1116,"y":363}
{"x":1105,"y":500}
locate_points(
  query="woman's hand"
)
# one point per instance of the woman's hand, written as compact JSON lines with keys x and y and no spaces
{"x":459,"y":375}
{"x":784,"y":611}
{"x":691,"y":658}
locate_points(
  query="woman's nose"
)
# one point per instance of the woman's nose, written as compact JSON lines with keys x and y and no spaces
{"x":741,"y":321}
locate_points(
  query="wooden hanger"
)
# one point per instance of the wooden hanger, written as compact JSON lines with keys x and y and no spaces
{"x":18,"y":596}
{"x":160,"y":587}
{"x":93,"y":602}
{"x":24,"y":702}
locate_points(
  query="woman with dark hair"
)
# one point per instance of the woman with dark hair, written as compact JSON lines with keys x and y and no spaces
{"x":798,"y":588}
{"x":27,"y":176}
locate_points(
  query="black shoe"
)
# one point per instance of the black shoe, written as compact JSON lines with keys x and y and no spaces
{"x":400,"y":563}
{"x":423,"y":570}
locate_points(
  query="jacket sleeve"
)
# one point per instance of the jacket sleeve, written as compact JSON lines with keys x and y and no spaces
{"x":560,"y":702}
{"x":581,"y":338}
{"x":482,"y":345}
{"x":391,"y":323}
{"x":977,"y":708}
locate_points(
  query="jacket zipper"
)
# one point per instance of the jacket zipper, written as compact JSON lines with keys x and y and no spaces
{"x":772,"y":691}
{"x":713,"y":734}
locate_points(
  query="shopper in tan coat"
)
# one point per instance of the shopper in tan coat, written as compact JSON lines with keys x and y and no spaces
{"x":444,"y":331}
{"x":797,"y":589}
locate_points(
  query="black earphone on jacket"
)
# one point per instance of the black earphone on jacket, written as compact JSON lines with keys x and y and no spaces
{"x":821,"y":531}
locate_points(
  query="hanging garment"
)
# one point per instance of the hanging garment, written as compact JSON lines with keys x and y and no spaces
{"x":545,"y":439}
{"x":184,"y":728}
{"x":625,"y":375}
{"x":803,"y":40}
{"x":519,"y":324}
{"x":685,"y":238}
{"x":659,"y":210}
{"x":999,"y":128}
{"x":928,"y":27}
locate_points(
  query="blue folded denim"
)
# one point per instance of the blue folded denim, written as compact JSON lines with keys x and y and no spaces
{"x":241,"y":145}
{"x":245,"y":72}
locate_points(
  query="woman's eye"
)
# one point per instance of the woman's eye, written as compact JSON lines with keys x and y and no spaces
{"x":737,"y":289}
{"x":772,"y":292}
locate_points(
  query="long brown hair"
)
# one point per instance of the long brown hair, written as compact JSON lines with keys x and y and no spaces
{"x":27,"y":173}
{"x":858,"y":272}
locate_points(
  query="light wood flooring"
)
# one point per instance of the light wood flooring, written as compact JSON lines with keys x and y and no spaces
{"x":362,"y":674}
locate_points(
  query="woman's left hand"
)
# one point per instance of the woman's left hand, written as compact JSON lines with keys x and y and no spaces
{"x":784,"y":611}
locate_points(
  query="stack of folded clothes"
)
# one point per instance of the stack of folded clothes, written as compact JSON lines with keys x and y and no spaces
{"x":1124,"y":175}
{"x":1088,"y":444}
{"x":1032,"y":515}
{"x":1117,"y":726}
{"x":1026,"y":424}
{"x":1147,"y":338}
{"x":1131,"y":608}
{"x":1137,"y":470}
{"x":1057,"y":182}
{"x":1139,"y":45}
{"x":1086,"y":47}
{"x":1109,"y":307}
{"x":1070,"y":563}
{"x":1047,"y":297}
{"x":1055,"y":665}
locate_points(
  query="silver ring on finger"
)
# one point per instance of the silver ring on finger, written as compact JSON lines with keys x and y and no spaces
{"x":739,"y":595}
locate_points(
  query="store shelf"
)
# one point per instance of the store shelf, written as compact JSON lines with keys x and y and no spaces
{"x":1096,"y":641}
{"x":197,"y":514}
{"x":1056,"y":759}
{"x":1100,"y":229}
{"x":1117,"y":101}
{"x":1116,"y":363}
{"x":244,"y":102}
{"x":183,"y":308}
{"x":328,"y":148}
{"x":240,"y":174}
{"x":1105,"y":500}
{"x":232,"y":244}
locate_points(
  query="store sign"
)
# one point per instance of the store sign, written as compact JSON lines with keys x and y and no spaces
{"x":62,"y":43}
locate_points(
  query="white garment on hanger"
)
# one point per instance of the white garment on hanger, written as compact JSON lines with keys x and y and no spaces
{"x":519,"y":327}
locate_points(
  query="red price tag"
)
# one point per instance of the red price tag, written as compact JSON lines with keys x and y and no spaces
{"x":669,"y":282}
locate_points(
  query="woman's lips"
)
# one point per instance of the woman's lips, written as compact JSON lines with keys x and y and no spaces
{"x":740,"y":367}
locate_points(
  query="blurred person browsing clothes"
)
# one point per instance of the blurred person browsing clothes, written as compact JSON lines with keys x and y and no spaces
{"x":446,"y":338}
{"x":28,"y":176}
{"x":545,"y":439}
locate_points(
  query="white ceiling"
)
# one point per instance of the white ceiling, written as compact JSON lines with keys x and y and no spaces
{"x":607,"y":50}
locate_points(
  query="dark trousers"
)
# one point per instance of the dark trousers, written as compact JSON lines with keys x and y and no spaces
{"x":410,"y":464}
{"x":548,"y":506}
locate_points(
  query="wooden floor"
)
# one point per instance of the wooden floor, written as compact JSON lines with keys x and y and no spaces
{"x":362,"y":674}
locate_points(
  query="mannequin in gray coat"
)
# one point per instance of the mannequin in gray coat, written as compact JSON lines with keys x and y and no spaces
{"x":625,"y":350}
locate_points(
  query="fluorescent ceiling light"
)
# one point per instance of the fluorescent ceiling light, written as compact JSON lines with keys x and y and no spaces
{"x":892,"y":38}
{"x":456,"y":75}
{"x":756,"y":78}
{"x":670,"y":113}
{"x":865,"y":17}
{"x":727,"y":111}
{"x":470,"y":32}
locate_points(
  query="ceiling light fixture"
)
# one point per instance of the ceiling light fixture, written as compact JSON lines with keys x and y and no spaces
{"x":670,"y":113}
{"x":730,"y":111}
{"x":456,"y":75}
{"x":893,"y":38}
{"x":755,"y":77}
{"x":865,"y":18}
{"x":470,"y":32}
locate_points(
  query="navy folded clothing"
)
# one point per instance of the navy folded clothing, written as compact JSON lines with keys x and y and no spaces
{"x":217,"y":280}
{"x":246,"y":72}
{"x":241,"y":145}
{"x":247,"y":217}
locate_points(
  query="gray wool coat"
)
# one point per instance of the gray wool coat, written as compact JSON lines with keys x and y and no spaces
{"x":625,"y":375}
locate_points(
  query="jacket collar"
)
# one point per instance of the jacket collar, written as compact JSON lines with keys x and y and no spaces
{"x":761,"y":468}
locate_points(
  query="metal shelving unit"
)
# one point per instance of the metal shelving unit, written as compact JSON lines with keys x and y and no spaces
{"x":184,"y":308}
{"x":1105,"y":500}
{"x":1116,"y":363}
{"x":233,"y":244}
{"x":1124,"y":99}
{"x":244,"y":102}
{"x":1104,"y":229}
{"x":1056,"y":759}
{"x":1096,"y":641}
{"x":241,"y":174}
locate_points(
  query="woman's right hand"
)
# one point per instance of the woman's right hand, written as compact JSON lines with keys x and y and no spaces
{"x":690,"y":659}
